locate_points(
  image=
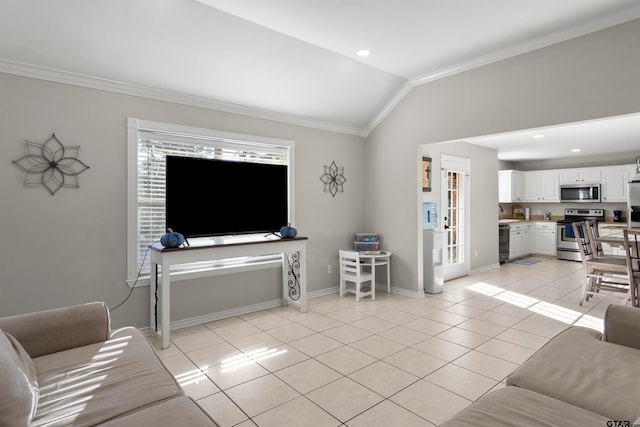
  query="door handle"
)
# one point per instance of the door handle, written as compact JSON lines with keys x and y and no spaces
{"x":446,"y":226}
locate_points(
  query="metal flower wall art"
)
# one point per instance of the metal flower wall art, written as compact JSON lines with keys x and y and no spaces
{"x":51,"y":164}
{"x":333,"y":179}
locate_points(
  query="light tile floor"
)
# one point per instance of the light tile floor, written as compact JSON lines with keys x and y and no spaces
{"x":393,"y":361}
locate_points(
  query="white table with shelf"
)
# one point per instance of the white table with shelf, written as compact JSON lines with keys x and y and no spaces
{"x":377,"y":259}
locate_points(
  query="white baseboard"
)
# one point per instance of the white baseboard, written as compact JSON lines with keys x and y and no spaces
{"x":211,"y":317}
{"x":323,"y":292}
{"x":407,"y":292}
{"x":484,"y":268}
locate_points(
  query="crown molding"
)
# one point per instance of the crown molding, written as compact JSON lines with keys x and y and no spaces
{"x":388,"y":108}
{"x":560,"y":36}
{"x":531,"y":45}
{"x":76,"y":79}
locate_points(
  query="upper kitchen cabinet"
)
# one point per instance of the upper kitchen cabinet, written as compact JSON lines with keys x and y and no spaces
{"x":541,"y":186}
{"x":578,"y":176}
{"x":510,"y":186}
{"x":614,"y":185}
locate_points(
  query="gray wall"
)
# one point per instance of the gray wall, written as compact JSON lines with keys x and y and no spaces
{"x":483,"y":187}
{"x":71,"y":247}
{"x":589,"y":77}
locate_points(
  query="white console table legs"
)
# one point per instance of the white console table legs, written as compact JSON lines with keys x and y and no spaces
{"x":294,"y":274}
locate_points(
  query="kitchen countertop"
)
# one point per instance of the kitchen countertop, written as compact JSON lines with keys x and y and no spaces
{"x":535,"y":218}
{"x":606,"y":224}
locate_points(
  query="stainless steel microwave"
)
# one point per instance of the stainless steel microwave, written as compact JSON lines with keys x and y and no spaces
{"x":580,"y":193}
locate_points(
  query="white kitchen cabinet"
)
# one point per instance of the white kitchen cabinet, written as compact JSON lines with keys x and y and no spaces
{"x":519,"y":240}
{"x":510,"y":186}
{"x":541,"y":186}
{"x":577,"y":176}
{"x":531,"y":186}
{"x":549,"y":187}
{"x":516,"y":242}
{"x":545,"y":238}
{"x":614,"y":185}
{"x":528,"y":240}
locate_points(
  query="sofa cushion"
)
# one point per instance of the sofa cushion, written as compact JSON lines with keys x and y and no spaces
{"x":19,"y":385}
{"x":517,"y":407}
{"x":90,"y":384}
{"x":622,"y":325}
{"x":179,"y":411}
{"x":59,"y":329}
{"x":578,"y":368}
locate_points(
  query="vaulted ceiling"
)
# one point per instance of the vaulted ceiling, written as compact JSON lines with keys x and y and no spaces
{"x":288,"y":60}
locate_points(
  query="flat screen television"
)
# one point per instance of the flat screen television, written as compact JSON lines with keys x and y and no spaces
{"x":210,"y":197}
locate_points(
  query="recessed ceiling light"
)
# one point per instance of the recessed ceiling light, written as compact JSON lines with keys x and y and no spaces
{"x":538,"y":136}
{"x":575,"y":150}
{"x":363,"y":52}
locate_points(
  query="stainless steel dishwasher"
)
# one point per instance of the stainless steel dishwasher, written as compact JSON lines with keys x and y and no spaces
{"x":503,"y":242}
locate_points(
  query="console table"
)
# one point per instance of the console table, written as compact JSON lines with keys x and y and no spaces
{"x":294,"y":277}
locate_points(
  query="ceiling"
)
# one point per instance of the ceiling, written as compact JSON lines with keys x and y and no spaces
{"x":288,"y":60}
{"x":592,"y":138}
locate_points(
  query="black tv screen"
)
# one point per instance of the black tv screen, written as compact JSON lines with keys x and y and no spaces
{"x":209,"y":197}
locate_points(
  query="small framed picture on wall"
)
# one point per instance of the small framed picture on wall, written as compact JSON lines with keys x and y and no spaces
{"x":426,"y":174}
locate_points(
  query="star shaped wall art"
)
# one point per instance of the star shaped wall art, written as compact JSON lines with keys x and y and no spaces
{"x":51,"y":164}
{"x":333,"y":179}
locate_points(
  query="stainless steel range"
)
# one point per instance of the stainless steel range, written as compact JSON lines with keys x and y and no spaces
{"x":567,"y":246}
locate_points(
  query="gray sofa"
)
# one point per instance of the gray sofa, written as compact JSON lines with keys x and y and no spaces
{"x":579,"y":378}
{"x":66,"y":367}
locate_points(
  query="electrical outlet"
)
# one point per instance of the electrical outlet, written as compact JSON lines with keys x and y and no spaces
{"x":330,"y":269}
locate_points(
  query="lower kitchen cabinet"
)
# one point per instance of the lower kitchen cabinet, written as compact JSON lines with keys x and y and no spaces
{"x":537,"y":237}
{"x":544,"y":236}
{"x":520,"y":240}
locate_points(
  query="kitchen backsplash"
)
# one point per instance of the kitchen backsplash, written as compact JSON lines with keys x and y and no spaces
{"x":557,"y":209}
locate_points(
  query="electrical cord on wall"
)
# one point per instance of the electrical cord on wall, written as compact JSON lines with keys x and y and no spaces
{"x":144,"y":258}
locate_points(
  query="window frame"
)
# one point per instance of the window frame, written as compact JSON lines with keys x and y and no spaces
{"x":135,"y":128}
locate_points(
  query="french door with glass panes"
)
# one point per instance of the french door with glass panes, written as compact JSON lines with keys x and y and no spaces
{"x":455,"y":213}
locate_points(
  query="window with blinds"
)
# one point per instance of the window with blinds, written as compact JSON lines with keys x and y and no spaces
{"x":151,"y":149}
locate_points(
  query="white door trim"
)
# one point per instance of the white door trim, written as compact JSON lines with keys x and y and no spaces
{"x":462,"y":165}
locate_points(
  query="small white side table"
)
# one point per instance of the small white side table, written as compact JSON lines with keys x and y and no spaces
{"x":375,"y":259}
